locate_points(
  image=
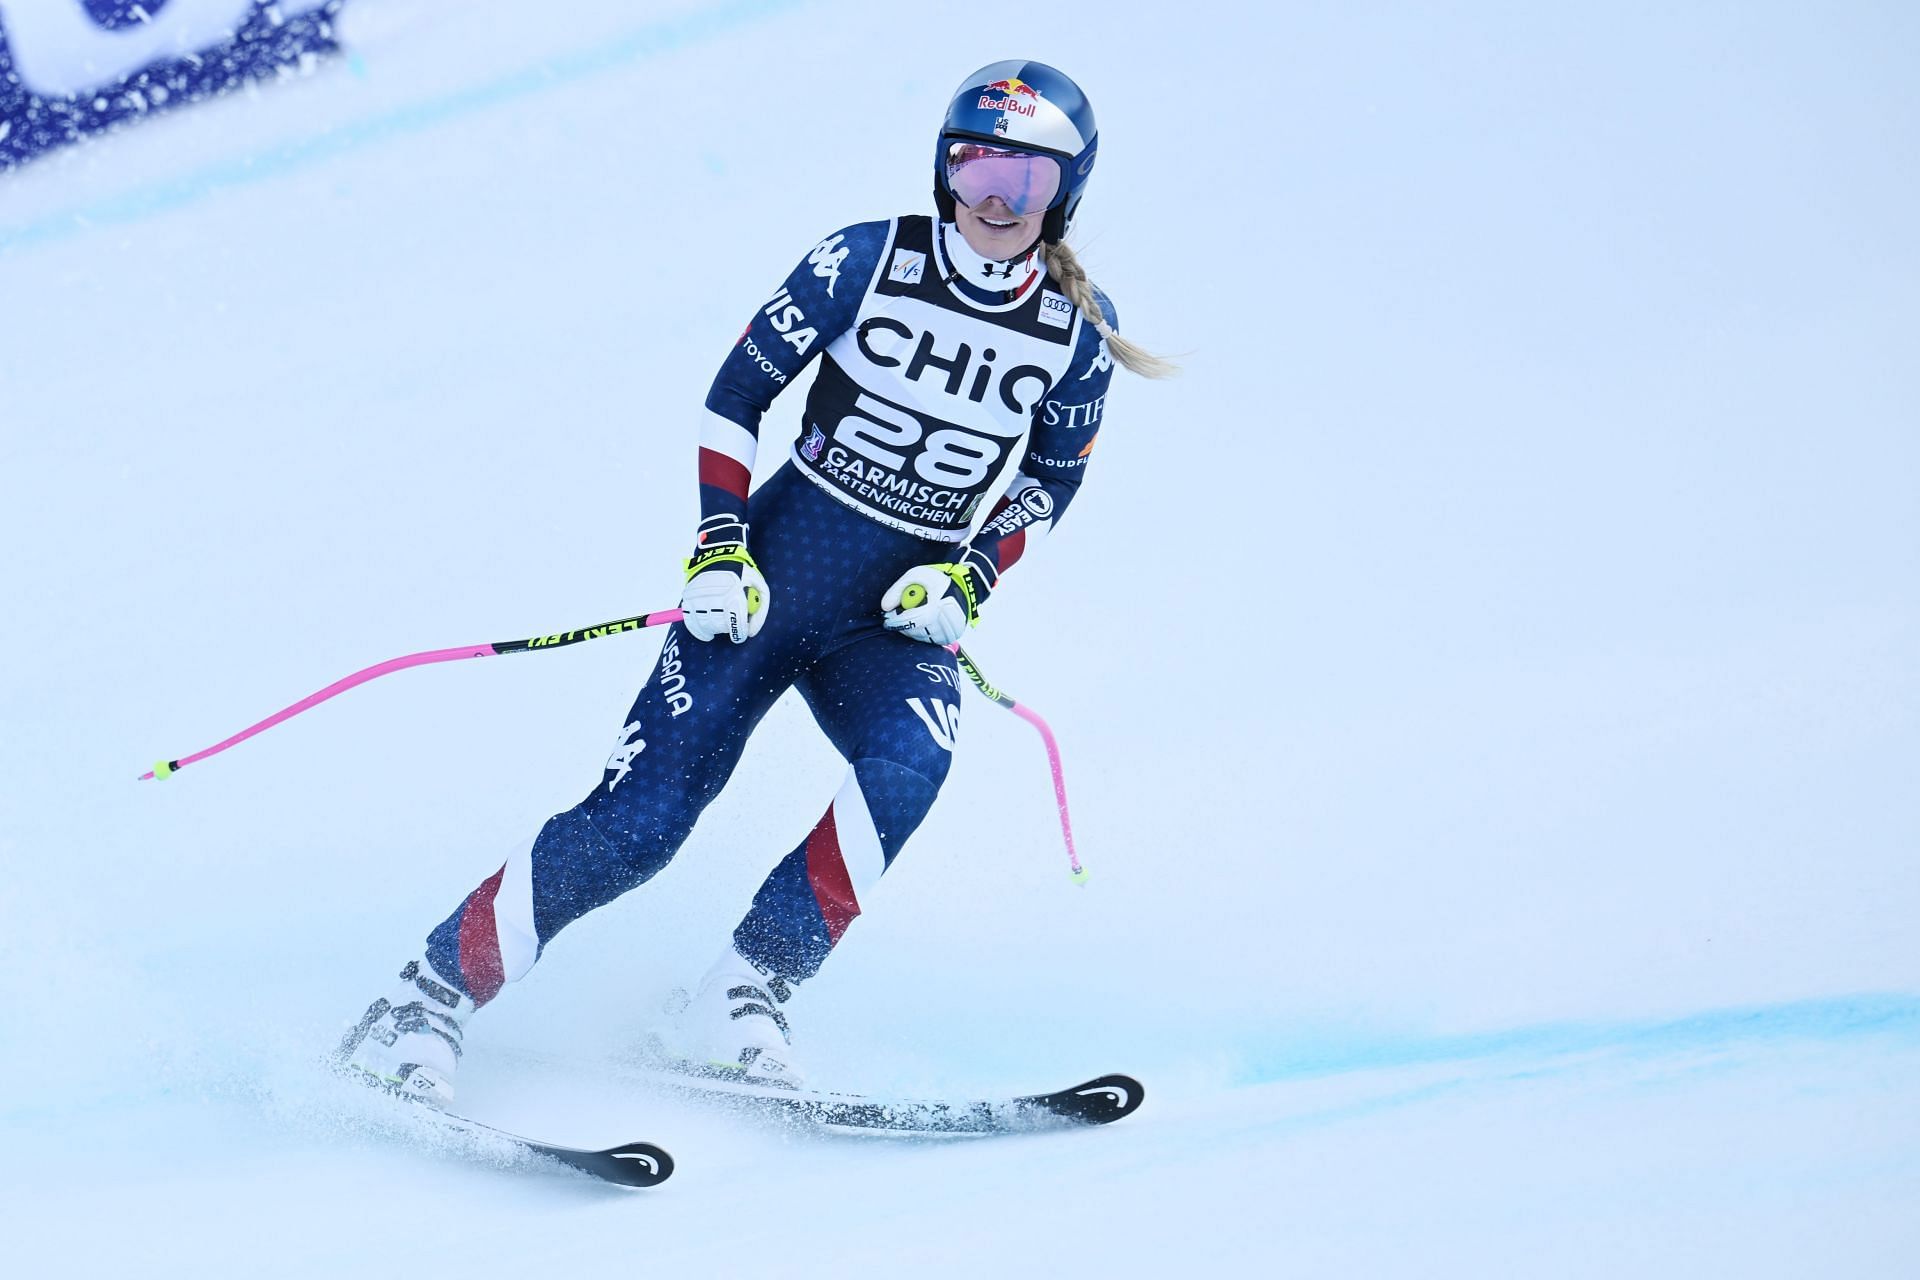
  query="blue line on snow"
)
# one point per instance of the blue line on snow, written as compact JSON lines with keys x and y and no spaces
{"x":642,"y":43}
{"x":1891,"y":1017}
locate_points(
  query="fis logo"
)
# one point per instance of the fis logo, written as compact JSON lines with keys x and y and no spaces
{"x":908,"y":267}
{"x":941,"y":718}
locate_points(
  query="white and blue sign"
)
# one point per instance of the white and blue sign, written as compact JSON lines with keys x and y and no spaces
{"x":69,"y":68}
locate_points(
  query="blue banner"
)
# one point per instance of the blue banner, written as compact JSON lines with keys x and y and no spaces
{"x":70,"y":68}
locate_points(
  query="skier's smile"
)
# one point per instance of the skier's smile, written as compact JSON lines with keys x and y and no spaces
{"x":993,"y":231}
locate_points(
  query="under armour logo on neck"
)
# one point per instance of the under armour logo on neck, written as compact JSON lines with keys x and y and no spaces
{"x":1002,"y":269}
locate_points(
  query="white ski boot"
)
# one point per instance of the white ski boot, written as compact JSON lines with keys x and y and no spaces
{"x":409,"y":1042}
{"x":733,"y":1029}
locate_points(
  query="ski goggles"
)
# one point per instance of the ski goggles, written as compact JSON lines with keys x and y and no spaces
{"x":1026,"y":181}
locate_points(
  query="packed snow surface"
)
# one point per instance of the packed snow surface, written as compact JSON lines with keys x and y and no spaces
{"x":1487,"y":676}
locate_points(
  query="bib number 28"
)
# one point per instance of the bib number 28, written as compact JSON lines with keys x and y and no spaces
{"x":946,"y":456}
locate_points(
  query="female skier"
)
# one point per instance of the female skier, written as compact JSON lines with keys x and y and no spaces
{"x":945,"y":342}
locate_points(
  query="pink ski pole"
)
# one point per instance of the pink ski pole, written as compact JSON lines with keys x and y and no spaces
{"x":1032,"y":717}
{"x":535,"y":644}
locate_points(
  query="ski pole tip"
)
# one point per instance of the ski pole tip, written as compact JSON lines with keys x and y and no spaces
{"x":161,"y":769}
{"x":1079,"y":875}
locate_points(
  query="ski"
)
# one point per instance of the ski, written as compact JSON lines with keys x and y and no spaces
{"x":1101,"y":1100}
{"x":631,"y":1164}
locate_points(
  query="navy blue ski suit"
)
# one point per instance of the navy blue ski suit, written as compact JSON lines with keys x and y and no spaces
{"x":938,"y":366}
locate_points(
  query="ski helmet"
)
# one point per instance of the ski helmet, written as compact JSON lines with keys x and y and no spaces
{"x":1002,"y":114}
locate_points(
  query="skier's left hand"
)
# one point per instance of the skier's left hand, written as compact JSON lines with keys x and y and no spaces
{"x":936,"y":603}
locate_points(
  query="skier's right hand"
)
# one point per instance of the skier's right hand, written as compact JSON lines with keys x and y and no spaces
{"x":725,"y":592}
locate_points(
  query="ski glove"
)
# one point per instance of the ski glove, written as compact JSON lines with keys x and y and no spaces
{"x":936,"y":603}
{"x":725,"y":592}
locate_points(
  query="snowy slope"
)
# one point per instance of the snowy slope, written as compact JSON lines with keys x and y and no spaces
{"x":1506,"y":867}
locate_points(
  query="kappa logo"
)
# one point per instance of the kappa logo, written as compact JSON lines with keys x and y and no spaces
{"x":941,"y":718}
{"x":909,"y":267}
{"x":1102,"y":363}
{"x":631,"y":744}
{"x":826,"y":259}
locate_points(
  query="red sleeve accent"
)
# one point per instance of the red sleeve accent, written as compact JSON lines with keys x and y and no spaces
{"x":722,"y":472}
{"x":1007,"y":551}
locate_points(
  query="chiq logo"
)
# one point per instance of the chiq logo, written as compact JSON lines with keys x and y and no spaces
{"x":65,"y":48}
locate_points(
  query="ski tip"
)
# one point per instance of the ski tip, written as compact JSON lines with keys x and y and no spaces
{"x":1101,"y":1100}
{"x":639,"y":1164}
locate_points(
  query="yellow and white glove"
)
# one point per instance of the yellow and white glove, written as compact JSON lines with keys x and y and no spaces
{"x":725,"y":592}
{"x":936,"y":603}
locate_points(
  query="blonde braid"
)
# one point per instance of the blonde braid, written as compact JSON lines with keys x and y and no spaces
{"x":1064,"y":266}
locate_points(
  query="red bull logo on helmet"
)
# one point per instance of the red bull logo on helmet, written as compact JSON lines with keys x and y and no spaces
{"x":1008,"y":95}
